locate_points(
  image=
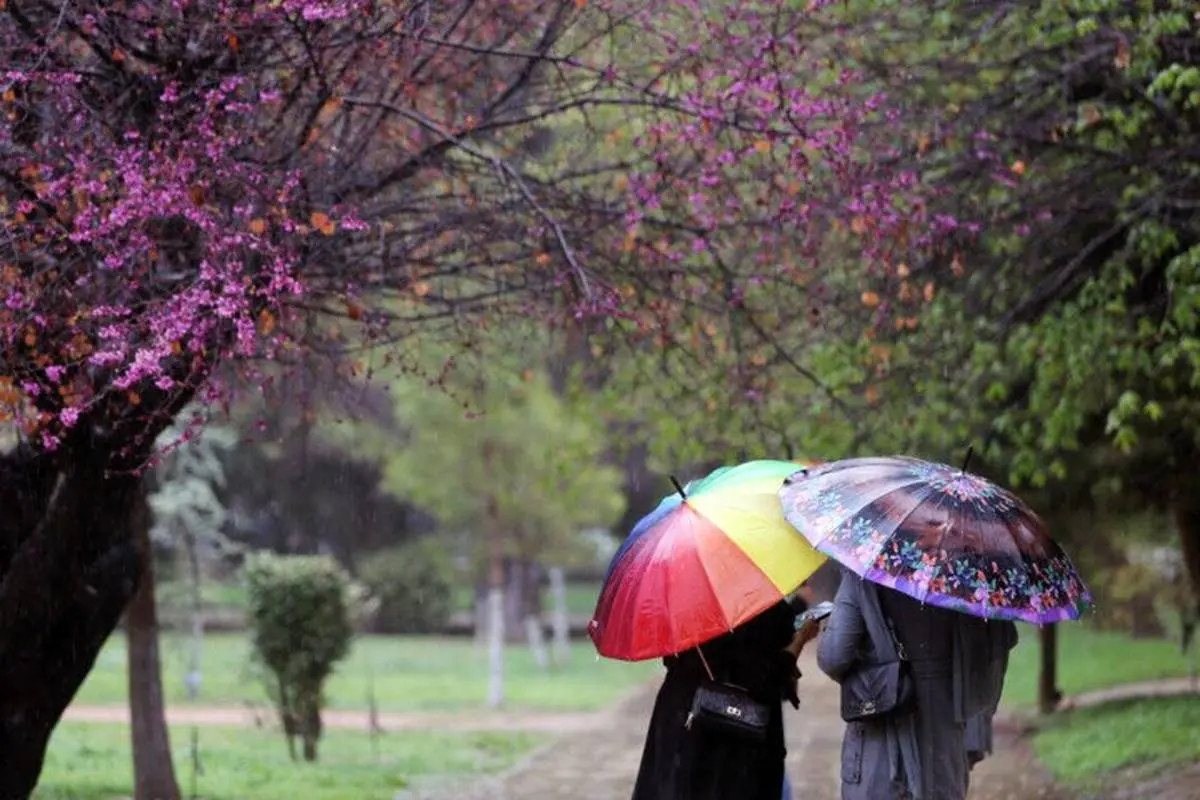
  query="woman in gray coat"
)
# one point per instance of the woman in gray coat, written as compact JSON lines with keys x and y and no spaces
{"x":921,"y":755}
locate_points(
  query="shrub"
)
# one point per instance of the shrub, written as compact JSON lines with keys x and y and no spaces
{"x":413,"y":585}
{"x":299,"y":612}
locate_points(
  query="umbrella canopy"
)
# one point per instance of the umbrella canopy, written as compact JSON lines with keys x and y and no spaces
{"x":695,"y":568}
{"x":938,"y":534}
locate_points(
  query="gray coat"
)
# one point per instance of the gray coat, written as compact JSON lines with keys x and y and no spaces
{"x":923,"y":755}
{"x":979,"y":727}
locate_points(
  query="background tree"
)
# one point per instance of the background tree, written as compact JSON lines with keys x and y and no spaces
{"x":302,"y":618}
{"x":510,"y":470}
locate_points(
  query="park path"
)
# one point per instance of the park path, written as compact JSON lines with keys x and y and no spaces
{"x":554,"y":723}
{"x":1167,"y":687}
{"x":600,"y":762}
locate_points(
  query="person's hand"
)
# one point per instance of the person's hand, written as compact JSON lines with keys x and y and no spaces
{"x":808,"y":631}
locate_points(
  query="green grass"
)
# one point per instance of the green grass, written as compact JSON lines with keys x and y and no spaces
{"x":1089,"y":659}
{"x":226,"y":595}
{"x":1084,"y":746}
{"x":93,"y":762}
{"x":410,"y":673}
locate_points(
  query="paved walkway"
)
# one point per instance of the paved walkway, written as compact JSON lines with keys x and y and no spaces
{"x":601,"y":761}
{"x":1168,"y":687}
{"x":532,"y":722}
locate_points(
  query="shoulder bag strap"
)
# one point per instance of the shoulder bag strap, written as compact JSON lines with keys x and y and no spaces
{"x":900,"y":651}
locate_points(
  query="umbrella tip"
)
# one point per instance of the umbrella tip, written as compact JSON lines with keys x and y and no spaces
{"x":678,"y":488}
{"x":967,"y":458}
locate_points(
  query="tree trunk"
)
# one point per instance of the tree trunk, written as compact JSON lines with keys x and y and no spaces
{"x":495,"y":614}
{"x":1187,"y":521}
{"x":537,"y":642}
{"x":561,"y":618}
{"x":481,"y":611}
{"x":153,"y":770}
{"x":68,"y":568}
{"x":514,"y":600}
{"x":496,"y":645}
{"x":1048,"y":693}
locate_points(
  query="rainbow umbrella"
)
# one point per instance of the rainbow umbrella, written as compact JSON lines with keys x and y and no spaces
{"x":708,"y":558}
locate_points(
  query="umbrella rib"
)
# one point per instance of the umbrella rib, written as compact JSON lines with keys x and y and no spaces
{"x":852,"y":514}
{"x":940,"y":564}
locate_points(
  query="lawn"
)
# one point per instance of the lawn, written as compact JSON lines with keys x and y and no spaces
{"x":1083,"y":747}
{"x":1089,"y":659}
{"x":410,"y":673}
{"x":93,"y":762}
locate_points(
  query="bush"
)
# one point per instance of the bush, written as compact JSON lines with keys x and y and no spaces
{"x":299,"y":612}
{"x":413,"y":585}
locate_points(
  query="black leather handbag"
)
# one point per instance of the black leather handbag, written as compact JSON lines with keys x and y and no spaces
{"x":876,"y":691}
{"x":725,"y":708}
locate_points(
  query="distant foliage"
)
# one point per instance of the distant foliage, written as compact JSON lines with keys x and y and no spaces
{"x":185,"y":500}
{"x":413,"y":585}
{"x":301,"y":616}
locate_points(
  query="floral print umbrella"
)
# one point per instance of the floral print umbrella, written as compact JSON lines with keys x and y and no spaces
{"x":938,"y":534}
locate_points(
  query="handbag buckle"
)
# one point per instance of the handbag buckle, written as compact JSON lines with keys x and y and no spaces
{"x":867,"y":707}
{"x":733,"y":711}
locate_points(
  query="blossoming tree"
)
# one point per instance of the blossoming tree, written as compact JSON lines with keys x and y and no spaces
{"x":190,"y":189}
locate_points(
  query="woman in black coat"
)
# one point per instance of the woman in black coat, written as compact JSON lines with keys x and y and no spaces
{"x":679,"y":763}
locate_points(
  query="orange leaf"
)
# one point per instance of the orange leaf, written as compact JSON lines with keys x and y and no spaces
{"x":956,"y":265}
{"x":421,"y":288}
{"x":321,"y":221}
{"x":762,"y":146}
{"x":234,"y":44}
{"x":902,"y":270}
{"x":258,"y":226}
{"x":353,"y":310}
{"x":266,"y":322}
{"x":196,"y":193}
{"x":135,"y":399}
{"x":542,"y":259}
{"x":1018,"y":167}
{"x":870,"y":299}
{"x":928,"y":292}
{"x":858,"y":225}
{"x":1123,"y":57}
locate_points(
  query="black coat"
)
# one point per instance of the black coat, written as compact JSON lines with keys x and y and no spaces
{"x":696,"y":764}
